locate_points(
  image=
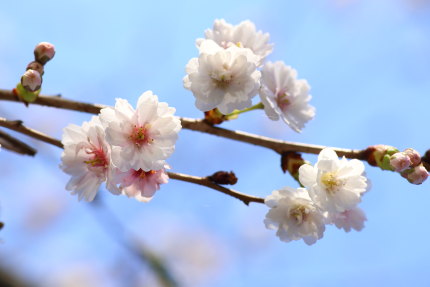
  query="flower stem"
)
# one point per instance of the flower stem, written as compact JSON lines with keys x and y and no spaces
{"x":238,"y":112}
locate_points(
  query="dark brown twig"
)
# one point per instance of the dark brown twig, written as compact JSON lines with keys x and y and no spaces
{"x":10,"y":143}
{"x":19,"y":127}
{"x":245,"y":198}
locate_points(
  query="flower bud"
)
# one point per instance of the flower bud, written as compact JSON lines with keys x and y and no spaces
{"x":379,"y":155}
{"x":416,"y":175}
{"x":400,"y":161}
{"x":413,"y":155}
{"x":223,"y":177}
{"x":291,"y":161}
{"x":36,"y":66}
{"x":44,"y":52}
{"x":215,"y":117}
{"x":31,"y":80}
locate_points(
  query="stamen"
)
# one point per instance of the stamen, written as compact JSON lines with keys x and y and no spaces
{"x":299,"y":214}
{"x":331,"y":182}
{"x":139,"y":135}
{"x":98,"y":159}
{"x":283,"y":100}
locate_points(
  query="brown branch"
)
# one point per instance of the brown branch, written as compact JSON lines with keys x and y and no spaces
{"x":245,"y":198}
{"x":19,"y":127}
{"x":278,"y":146}
{"x":13,"y":144}
{"x":55,"y":101}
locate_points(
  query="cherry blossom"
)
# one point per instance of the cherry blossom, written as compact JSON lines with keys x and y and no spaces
{"x":226,"y":79}
{"x":243,"y":35}
{"x":294,"y":215}
{"x":334,"y":184}
{"x":86,"y":158}
{"x":141,"y":138}
{"x":349,"y":219}
{"x":141,"y":184}
{"x":284,"y":96}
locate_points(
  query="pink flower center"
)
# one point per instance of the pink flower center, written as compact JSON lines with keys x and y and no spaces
{"x":98,"y":158}
{"x":140,"y":135}
{"x":282,"y":100}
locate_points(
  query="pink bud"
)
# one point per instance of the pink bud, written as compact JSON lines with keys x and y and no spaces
{"x":414,"y":156}
{"x":416,"y":175}
{"x":36,"y":66}
{"x":400,"y":161}
{"x":31,"y":80}
{"x":44,"y":52}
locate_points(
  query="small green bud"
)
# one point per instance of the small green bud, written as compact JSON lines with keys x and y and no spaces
{"x":25,"y":95}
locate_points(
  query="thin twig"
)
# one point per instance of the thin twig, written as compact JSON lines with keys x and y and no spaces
{"x":13,"y":144}
{"x":245,"y":198}
{"x":19,"y":127}
{"x":278,"y":146}
{"x":55,"y":101}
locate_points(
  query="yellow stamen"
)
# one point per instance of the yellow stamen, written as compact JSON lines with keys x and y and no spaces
{"x":331,"y":182}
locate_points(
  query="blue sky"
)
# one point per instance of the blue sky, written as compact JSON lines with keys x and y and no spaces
{"x":368,"y":65}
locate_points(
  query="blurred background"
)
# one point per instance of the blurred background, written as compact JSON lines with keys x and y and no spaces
{"x":368,"y":64}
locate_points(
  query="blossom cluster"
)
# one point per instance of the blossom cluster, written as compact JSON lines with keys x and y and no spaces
{"x":332,"y":191}
{"x":125,"y":147}
{"x":231,"y":70}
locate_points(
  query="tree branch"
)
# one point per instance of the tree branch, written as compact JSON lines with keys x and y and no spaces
{"x":245,"y":198}
{"x":19,"y":127}
{"x":54,"y":101}
{"x":10,"y":143}
{"x":278,"y":146}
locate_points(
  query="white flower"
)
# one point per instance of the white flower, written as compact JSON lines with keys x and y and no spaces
{"x":86,"y":158}
{"x":141,"y":138}
{"x":242,"y":35}
{"x":294,"y":215}
{"x":226,"y":79}
{"x":140,"y":184}
{"x":352,"y":218}
{"x":284,"y":96}
{"x":335,"y":185}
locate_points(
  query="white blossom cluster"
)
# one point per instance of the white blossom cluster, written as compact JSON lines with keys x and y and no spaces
{"x":332,"y":190}
{"x":127,"y":148}
{"x":124,"y":147}
{"x":231,"y":70}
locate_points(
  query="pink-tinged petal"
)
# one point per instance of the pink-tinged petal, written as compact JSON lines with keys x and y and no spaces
{"x":86,"y":158}
{"x":136,"y":136}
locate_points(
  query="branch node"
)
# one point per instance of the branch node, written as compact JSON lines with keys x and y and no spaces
{"x":223,"y":177}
